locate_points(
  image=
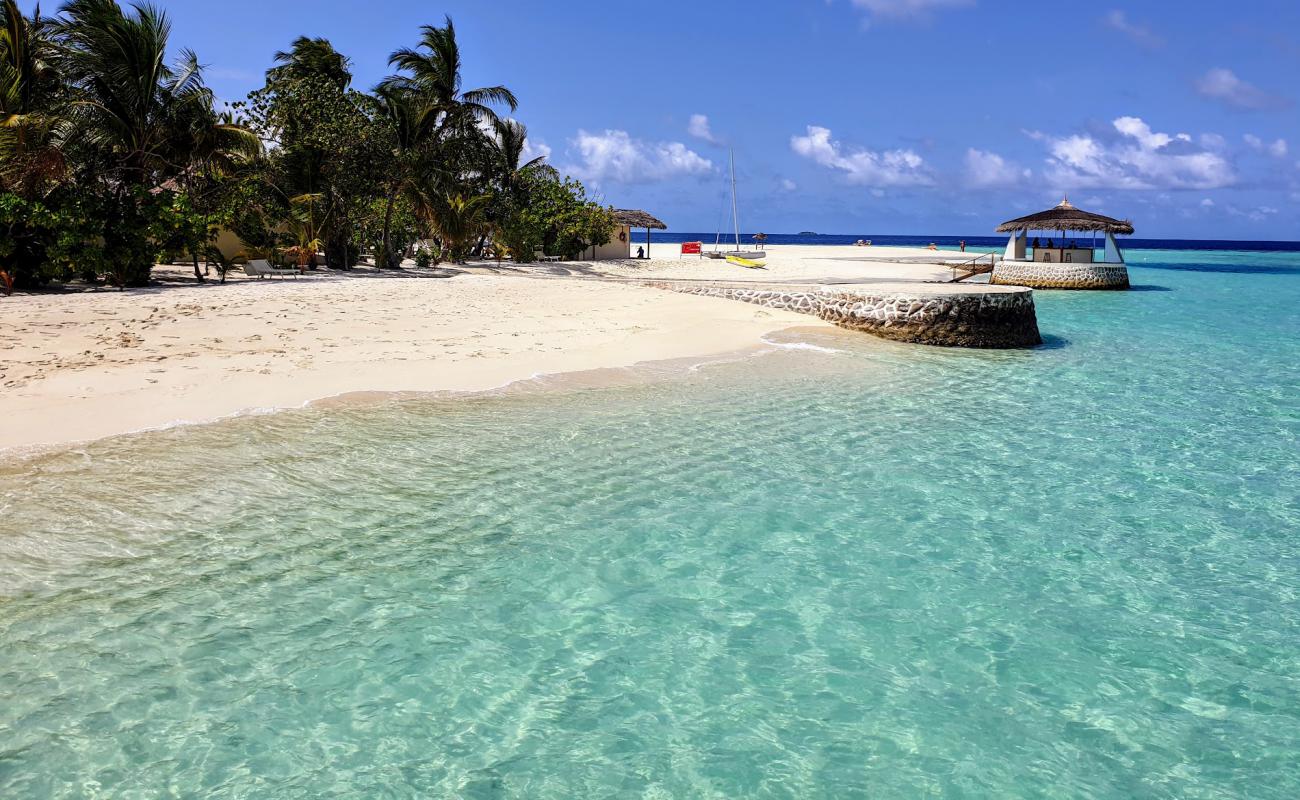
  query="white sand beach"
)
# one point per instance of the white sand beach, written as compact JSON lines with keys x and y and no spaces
{"x":85,"y":365}
{"x":802,"y":263}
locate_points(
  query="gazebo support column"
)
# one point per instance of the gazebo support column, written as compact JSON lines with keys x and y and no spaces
{"x":1016,"y":246}
{"x":1113,"y":254}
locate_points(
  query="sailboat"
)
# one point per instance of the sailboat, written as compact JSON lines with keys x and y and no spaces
{"x":737,"y":255}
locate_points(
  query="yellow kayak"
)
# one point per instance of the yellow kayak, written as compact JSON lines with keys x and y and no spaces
{"x":745,"y":262}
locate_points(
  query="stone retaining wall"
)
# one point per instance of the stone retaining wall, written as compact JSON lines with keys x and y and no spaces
{"x":1050,"y":275}
{"x":1000,"y":319}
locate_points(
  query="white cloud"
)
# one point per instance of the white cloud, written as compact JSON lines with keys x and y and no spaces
{"x":1136,"y":128}
{"x":535,"y":148}
{"x":1138,"y":158}
{"x":1207,"y":203}
{"x":860,"y":166}
{"x":788,"y":185}
{"x":616,"y":156}
{"x":1276,"y":148}
{"x":699,"y":128}
{"x":1119,"y":21}
{"x":1224,"y":86}
{"x":1213,"y":141}
{"x":904,"y":9}
{"x":1257,"y":214}
{"x":989,"y":170}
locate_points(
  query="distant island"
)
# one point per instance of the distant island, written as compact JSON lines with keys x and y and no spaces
{"x":809,"y":233}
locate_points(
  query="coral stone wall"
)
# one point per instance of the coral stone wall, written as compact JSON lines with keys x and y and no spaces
{"x":968,"y":319}
{"x":1057,"y":275}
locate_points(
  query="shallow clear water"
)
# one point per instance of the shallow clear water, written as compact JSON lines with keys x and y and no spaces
{"x":886,"y":571}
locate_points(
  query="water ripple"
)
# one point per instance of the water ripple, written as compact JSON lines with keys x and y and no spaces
{"x":879,"y":570}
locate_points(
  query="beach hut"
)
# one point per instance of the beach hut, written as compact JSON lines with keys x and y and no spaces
{"x":1062,"y":253}
{"x":629,"y":218}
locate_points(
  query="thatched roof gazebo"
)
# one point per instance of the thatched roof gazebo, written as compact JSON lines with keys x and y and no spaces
{"x":1078,"y":266}
{"x":635,"y":218}
{"x":1065,"y":217}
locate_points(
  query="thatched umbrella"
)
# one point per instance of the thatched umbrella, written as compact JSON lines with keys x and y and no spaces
{"x":635,"y":218}
{"x":761,"y":238}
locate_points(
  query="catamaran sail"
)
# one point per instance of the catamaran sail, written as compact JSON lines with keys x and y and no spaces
{"x":735,"y":224}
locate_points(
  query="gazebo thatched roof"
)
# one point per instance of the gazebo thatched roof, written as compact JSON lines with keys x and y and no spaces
{"x":1066,"y":217}
{"x":634,"y":218}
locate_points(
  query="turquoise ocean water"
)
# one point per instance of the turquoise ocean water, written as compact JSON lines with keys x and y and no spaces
{"x":869,"y":570}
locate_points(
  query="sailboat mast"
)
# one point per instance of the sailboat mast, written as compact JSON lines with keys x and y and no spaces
{"x":735,"y":214}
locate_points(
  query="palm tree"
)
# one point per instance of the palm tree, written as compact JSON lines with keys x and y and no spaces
{"x":32,"y":133}
{"x":456,"y":220}
{"x":312,"y":58}
{"x":413,"y":122}
{"x":433,"y":69}
{"x":306,"y":229}
{"x":314,"y":118}
{"x":216,"y":142}
{"x":147,"y":121}
{"x":31,"y":130}
{"x":508,"y":147}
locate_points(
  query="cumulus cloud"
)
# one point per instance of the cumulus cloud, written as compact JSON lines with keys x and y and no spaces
{"x":788,"y":185}
{"x":1137,"y":129}
{"x":985,"y":170}
{"x":1213,"y":141}
{"x":616,"y":156}
{"x":1224,"y":86}
{"x":885,"y":10}
{"x":1137,"y":158}
{"x":1118,"y":21}
{"x":535,"y":149}
{"x":1276,"y":148}
{"x":700,"y":129}
{"x":861,"y":166}
{"x":1256,"y":214}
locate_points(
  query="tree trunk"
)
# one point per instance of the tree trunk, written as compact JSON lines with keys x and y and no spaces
{"x":339,"y":250}
{"x":198,"y":275}
{"x":385,"y":248}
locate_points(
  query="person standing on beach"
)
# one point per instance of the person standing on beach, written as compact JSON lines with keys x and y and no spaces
{"x":963,"y":245}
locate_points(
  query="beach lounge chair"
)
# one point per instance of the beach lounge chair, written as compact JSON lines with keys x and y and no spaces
{"x":261,"y":268}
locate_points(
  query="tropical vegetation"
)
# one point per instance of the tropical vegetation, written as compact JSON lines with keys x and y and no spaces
{"x":115,"y":155}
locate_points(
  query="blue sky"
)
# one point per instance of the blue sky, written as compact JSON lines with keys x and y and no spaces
{"x":860,"y":116}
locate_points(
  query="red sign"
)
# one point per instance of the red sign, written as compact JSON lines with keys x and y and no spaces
{"x":691,"y":248}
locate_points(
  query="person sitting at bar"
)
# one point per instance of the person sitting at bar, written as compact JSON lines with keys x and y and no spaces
{"x":1035,"y":245}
